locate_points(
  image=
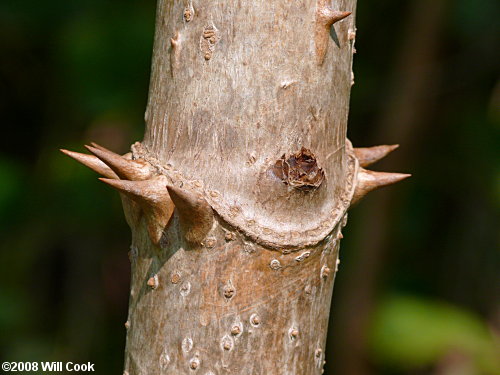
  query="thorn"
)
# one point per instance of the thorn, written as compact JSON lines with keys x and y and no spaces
{"x":93,"y":144}
{"x":91,"y":162}
{"x":325,"y":18}
{"x":153,"y":199}
{"x":195,"y":214}
{"x":369,"y":155}
{"x":371,"y":180}
{"x":135,"y":170}
{"x":141,"y":190}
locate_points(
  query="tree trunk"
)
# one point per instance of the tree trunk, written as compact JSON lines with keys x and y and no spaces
{"x":237,"y":196}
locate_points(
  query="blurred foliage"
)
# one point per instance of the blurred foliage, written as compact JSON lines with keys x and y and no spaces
{"x":78,"y":71}
{"x":410,"y":332}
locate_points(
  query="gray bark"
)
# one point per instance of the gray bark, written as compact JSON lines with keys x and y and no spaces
{"x":237,"y":196}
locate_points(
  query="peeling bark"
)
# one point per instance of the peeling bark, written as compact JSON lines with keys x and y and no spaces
{"x":238,"y":194}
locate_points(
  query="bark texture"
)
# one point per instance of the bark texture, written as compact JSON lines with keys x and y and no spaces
{"x":237,"y":196}
{"x":224,"y":111}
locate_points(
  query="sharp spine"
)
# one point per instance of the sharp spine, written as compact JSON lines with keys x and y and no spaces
{"x":369,"y":155}
{"x":152,"y":197}
{"x":195,"y":214}
{"x":92,"y":162}
{"x":325,"y":18}
{"x":134,"y":170}
{"x":370,"y":180}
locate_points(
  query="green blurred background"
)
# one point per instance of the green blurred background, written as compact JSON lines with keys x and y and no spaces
{"x":418,"y":290}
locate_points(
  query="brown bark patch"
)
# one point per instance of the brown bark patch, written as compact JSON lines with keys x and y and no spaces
{"x":300,"y":170}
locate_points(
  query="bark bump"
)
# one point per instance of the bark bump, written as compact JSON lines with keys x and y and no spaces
{"x":209,"y":38}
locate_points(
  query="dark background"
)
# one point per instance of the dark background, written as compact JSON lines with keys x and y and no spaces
{"x":418,"y":289}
